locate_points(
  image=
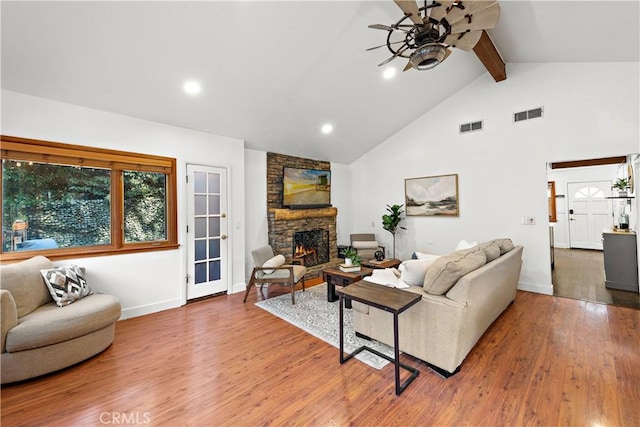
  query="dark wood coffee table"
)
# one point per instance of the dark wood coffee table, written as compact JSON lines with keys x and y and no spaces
{"x":391,"y":300}
{"x":385,"y":263}
{"x":336,"y":277}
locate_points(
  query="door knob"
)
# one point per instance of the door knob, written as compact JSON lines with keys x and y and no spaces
{"x":223,"y":237}
{"x":224,"y":215}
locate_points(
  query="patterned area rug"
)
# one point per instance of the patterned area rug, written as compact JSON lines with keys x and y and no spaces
{"x":313,"y":314}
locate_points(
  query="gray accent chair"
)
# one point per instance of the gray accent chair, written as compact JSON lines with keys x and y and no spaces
{"x":286,"y":274}
{"x":38,"y":337}
{"x":367,"y":253}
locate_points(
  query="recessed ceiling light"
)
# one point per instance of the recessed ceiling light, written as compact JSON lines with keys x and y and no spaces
{"x":328,"y":128}
{"x":192,"y":87}
{"x":389,"y":73}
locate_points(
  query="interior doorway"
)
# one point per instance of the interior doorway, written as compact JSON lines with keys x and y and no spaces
{"x":582,"y":211}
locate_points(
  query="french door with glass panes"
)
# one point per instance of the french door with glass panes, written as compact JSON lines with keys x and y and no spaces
{"x":206,"y":231}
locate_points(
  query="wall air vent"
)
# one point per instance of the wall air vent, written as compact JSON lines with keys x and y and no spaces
{"x":471,"y":127}
{"x":527,"y":115}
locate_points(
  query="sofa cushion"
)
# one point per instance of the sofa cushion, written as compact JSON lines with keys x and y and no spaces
{"x":491,"y":249}
{"x":412,"y":271}
{"x":505,"y":245}
{"x":51,"y":324}
{"x":66,"y":284}
{"x":24,"y":281}
{"x":446,"y":270}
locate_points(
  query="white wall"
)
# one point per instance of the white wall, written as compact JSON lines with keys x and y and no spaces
{"x":590,"y":111}
{"x":152,"y":281}
{"x":257,"y":230}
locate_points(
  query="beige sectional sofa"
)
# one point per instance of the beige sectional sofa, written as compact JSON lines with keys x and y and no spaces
{"x":38,"y":336}
{"x":451,"y":317}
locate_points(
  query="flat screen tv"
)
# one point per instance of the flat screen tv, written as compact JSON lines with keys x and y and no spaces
{"x":306,"y":188}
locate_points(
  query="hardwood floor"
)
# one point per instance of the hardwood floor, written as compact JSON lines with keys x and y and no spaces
{"x":218,"y":362}
{"x":579,"y":274}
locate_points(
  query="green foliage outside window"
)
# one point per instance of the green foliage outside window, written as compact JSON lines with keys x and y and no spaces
{"x":144,"y":206}
{"x":72,"y":205}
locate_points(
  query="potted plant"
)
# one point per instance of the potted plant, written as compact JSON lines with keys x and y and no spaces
{"x":621,"y":185}
{"x":351,"y":256}
{"x":391,"y":222}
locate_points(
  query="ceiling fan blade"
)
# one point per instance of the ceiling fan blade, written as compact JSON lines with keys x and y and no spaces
{"x":388,"y":28}
{"x":410,"y":7}
{"x":464,"y":41}
{"x":381,"y":27}
{"x":438,"y":12}
{"x":486,"y":18}
{"x":384,"y":45}
{"x":394,"y":56}
{"x":470,"y":7}
{"x":448,"y":52}
{"x":408,"y":66}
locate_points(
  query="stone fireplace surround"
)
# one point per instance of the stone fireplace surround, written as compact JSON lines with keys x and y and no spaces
{"x":283,"y":223}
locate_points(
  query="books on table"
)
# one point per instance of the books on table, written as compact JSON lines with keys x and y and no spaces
{"x":349,"y":268}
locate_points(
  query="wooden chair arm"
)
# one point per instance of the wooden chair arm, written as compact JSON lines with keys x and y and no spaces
{"x":283,"y":267}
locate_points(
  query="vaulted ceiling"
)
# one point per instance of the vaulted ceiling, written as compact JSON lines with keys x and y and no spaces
{"x":272,"y":73}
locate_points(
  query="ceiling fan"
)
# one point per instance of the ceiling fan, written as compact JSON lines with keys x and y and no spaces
{"x":425,"y":34}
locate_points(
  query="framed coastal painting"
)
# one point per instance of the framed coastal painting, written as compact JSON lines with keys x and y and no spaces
{"x":432,"y":196}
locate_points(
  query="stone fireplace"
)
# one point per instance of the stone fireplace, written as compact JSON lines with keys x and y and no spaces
{"x":311,"y":247}
{"x":284,"y":224}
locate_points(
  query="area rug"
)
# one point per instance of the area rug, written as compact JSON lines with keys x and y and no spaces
{"x":314,"y":315}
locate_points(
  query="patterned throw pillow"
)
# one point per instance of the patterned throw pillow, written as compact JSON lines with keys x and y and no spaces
{"x":66,"y":284}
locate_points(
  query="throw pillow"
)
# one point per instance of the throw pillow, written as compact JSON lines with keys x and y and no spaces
{"x":412,"y":271}
{"x":491,"y":249}
{"x":385,"y":277}
{"x":276,"y":261}
{"x":505,"y":245}
{"x":66,"y":284}
{"x":422,"y":255}
{"x":365,"y":244}
{"x":446,"y":270}
{"x":463,"y":244}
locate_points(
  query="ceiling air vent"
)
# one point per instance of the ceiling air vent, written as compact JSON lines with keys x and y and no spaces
{"x":471,"y":127}
{"x":527,"y":115}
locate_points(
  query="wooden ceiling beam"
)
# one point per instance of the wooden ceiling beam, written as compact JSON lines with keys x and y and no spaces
{"x":589,"y":162}
{"x":490,"y":57}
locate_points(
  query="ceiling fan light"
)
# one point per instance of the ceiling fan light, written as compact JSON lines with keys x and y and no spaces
{"x":428,"y":56}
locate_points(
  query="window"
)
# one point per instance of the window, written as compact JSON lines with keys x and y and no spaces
{"x":65,"y":200}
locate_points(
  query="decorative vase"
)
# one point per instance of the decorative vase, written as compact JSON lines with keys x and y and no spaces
{"x":348,"y":261}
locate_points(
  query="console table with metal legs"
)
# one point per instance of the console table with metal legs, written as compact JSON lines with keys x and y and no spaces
{"x":391,"y":300}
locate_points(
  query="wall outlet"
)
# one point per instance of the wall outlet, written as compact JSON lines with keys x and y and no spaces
{"x":528,"y":220}
{"x":373,"y":224}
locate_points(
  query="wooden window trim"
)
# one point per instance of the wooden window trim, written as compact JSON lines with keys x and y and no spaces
{"x":16,"y":148}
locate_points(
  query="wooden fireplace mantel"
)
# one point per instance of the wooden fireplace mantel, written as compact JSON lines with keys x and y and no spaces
{"x":292,"y":214}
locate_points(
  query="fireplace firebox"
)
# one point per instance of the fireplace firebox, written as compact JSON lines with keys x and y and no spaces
{"x":311,"y":247}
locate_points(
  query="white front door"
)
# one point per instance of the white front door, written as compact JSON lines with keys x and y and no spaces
{"x":589,"y":213}
{"x":206,"y":231}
